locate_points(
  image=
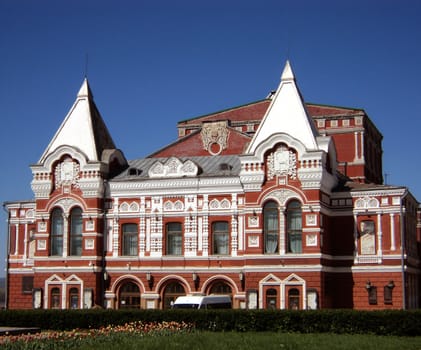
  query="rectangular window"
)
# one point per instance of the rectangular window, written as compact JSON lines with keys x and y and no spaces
{"x":76,"y":232}
{"x":27,"y":284}
{"x":220,"y":237}
{"x":174,"y":238}
{"x":57,"y":227}
{"x":130,"y":239}
{"x":294,"y":227}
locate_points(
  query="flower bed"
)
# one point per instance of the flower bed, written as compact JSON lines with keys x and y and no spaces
{"x":71,"y":339}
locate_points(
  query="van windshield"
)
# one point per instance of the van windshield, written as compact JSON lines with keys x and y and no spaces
{"x":186,"y":306}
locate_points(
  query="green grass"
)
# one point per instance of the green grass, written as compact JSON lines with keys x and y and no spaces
{"x":232,"y":341}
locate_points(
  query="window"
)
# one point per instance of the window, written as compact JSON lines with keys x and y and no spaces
{"x":129,"y":297}
{"x":57,"y":227}
{"x":74,"y":298}
{"x":271,"y":298}
{"x":55,"y":298}
{"x":27,"y":284}
{"x":271,"y":227}
{"x":220,"y":288}
{"x":172,"y":291}
{"x":174,"y":238}
{"x":129,"y":239}
{"x":294,"y":227}
{"x":293,"y":299}
{"x":220,"y":237}
{"x":76,"y":232}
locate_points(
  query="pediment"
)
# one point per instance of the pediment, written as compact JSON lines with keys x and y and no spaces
{"x":271,"y":279}
{"x":294,"y":278}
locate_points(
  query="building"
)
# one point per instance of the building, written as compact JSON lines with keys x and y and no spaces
{"x":278,"y":203}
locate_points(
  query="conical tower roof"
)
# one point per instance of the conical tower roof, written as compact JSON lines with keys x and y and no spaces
{"x":83,"y":128}
{"x":286,"y":114}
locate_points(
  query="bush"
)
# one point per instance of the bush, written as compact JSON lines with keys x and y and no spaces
{"x":399,"y":323}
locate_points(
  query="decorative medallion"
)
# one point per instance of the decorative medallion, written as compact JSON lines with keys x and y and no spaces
{"x":282,"y":162}
{"x":215,"y":137}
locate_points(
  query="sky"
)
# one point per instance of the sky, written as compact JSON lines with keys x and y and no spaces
{"x":153,"y":63}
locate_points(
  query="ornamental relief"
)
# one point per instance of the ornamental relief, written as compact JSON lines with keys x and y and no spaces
{"x":282,"y":162}
{"x":173,"y":167}
{"x":215,"y":137}
{"x":67,"y":173}
{"x":366,"y":202}
{"x":66,"y":204}
{"x":281,"y":195}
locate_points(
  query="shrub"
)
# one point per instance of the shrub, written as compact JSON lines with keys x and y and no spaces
{"x":396,"y":322}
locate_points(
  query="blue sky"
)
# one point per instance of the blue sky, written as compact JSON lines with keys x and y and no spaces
{"x":153,"y":63}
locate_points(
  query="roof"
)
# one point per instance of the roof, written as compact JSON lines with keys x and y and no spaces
{"x":286,"y":114}
{"x":82,"y":128}
{"x":208,"y":166}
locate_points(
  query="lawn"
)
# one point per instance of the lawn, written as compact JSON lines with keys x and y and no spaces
{"x":200,"y":340}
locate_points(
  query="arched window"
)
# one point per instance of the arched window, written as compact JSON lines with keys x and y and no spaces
{"x":220,"y":288}
{"x":75,"y":232}
{"x":56,"y":235}
{"x":55,"y":298}
{"x":129,"y":297}
{"x":271,"y":298}
{"x":271,"y":227}
{"x":74,"y":298}
{"x":294,"y":227}
{"x":129,"y":240}
{"x":171,"y":292}
{"x":174,"y":238}
{"x":220,"y":238}
{"x":293,"y":299}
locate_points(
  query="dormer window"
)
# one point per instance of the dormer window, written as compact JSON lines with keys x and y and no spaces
{"x":134,"y":172}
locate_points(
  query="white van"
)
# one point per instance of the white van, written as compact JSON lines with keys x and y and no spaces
{"x":213,"y":301}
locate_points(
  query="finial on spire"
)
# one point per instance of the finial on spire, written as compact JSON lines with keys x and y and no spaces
{"x":287,"y":74}
{"x":86,"y":65}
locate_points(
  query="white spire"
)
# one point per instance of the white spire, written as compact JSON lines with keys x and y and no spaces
{"x":83,"y":128}
{"x":286,"y":114}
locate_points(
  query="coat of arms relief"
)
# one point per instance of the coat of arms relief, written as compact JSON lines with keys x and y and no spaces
{"x":66,"y":173}
{"x":282,"y":162}
{"x":215,"y":136}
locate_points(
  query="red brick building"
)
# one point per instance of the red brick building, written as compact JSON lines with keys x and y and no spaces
{"x":278,"y":203}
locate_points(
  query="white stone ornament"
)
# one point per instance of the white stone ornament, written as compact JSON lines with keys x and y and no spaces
{"x":215,"y":137}
{"x":282,"y":162}
{"x":67,"y":173}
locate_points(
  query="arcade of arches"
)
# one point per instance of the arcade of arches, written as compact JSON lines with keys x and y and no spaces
{"x":128,"y":293}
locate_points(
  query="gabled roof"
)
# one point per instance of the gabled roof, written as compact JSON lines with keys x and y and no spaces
{"x":192,"y":145}
{"x":248,"y":112}
{"x":83,"y":128}
{"x":286,"y":114}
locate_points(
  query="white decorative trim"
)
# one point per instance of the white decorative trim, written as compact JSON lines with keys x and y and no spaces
{"x":173,"y":167}
{"x":89,"y":244}
{"x":42,"y":226}
{"x":67,"y":173}
{"x":173,"y":206}
{"x":41,"y":244}
{"x":366,"y":202}
{"x":253,"y":241}
{"x":311,"y":219}
{"x":253,"y":221}
{"x":216,"y":204}
{"x":311,"y":240}
{"x":282,"y":162}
